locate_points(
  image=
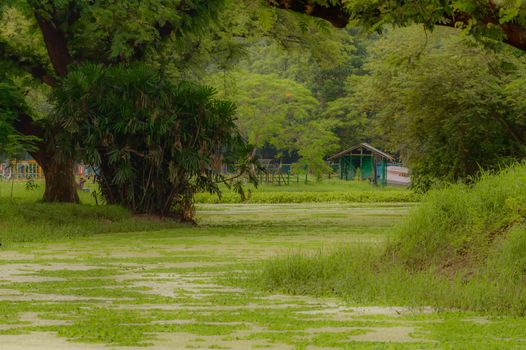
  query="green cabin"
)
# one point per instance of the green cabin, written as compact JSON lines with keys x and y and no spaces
{"x":363,"y":159}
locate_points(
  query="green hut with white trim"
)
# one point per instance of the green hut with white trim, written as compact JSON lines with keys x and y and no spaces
{"x":363,"y":159}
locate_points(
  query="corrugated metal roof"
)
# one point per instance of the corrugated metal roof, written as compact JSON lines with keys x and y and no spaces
{"x":364,"y":145}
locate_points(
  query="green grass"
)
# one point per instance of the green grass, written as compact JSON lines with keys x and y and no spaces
{"x":333,"y":190}
{"x":312,"y":192}
{"x":311,"y":197}
{"x":134,"y":280}
{"x":22,"y":194}
{"x":23,"y":218}
{"x":95,"y":274}
{"x":23,"y":221}
{"x":463,"y":248}
{"x":326,"y":185}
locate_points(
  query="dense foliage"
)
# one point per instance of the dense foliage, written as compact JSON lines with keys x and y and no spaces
{"x":448,"y":106}
{"x":12,"y":103}
{"x":154,"y":142}
{"x":41,"y":41}
{"x":445,"y":105}
{"x":283,"y":85}
{"x":8,"y":102}
{"x":283,"y":114}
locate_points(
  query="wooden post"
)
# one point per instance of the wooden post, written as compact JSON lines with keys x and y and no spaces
{"x":361,"y":163}
{"x":373,"y":160}
{"x":13,"y":179}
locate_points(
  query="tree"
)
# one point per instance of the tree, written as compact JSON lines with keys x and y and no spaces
{"x":500,"y":20}
{"x":448,"y":106}
{"x":155,"y":142}
{"x":316,"y":58}
{"x":45,"y":38}
{"x":281,"y":113}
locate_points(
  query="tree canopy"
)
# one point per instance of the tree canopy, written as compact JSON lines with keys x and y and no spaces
{"x":282,"y":114}
{"x":448,"y":106}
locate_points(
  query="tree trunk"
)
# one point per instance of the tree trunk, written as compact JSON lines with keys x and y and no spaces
{"x":57,"y":166}
{"x":60,"y":180}
{"x":59,"y":175}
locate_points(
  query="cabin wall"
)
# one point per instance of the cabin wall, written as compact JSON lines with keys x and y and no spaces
{"x":365,"y":160}
{"x":351,"y":163}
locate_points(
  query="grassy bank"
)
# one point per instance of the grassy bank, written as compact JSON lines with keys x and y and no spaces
{"x":463,"y":247}
{"x":29,"y":221}
{"x":24,"y":218}
{"x":167,"y":288}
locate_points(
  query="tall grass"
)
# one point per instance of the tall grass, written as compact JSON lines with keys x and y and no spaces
{"x":463,"y":247}
{"x":461,"y":225}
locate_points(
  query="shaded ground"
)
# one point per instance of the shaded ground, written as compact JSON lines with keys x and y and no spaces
{"x":176,"y":289}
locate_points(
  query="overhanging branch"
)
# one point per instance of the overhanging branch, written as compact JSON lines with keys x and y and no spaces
{"x":30,"y":65}
{"x":338,"y":16}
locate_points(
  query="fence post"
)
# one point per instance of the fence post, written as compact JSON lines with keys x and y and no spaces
{"x":13,"y":180}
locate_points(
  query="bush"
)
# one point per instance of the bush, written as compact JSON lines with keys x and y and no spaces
{"x":155,"y":142}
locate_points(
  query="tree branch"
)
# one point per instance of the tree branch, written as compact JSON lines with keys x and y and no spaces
{"x":56,"y":44}
{"x":338,"y":16}
{"x":30,"y":65}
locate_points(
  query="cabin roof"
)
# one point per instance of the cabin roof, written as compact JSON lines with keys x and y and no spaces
{"x":366,"y":146}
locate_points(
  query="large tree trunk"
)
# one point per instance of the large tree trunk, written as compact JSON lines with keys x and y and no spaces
{"x":60,"y":180}
{"x":57,"y":166}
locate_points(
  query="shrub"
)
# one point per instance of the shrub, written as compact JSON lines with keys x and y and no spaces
{"x":154,"y":141}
